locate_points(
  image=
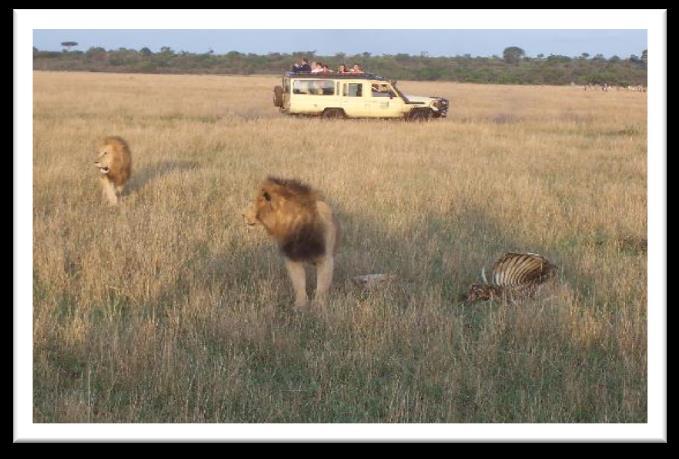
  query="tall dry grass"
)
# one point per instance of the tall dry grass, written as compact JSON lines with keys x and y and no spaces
{"x":167,"y":309}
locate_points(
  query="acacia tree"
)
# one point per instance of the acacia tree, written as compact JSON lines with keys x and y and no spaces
{"x":69,"y":44}
{"x":513,"y":54}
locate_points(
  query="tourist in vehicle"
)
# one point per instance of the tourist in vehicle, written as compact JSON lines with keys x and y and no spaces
{"x":356,"y":69}
{"x":301,"y":66}
{"x":326,"y":69}
{"x":342,"y":69}
{"x":315,"y":88}
{"x":381,"y":90}
{"x":316,"y":67}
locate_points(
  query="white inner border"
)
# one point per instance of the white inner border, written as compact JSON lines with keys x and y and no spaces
{"x":654,"y":21}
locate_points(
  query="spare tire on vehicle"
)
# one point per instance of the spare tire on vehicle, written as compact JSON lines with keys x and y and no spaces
{"x":278,"y":96}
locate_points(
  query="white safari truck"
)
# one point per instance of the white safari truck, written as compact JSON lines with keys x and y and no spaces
{"x":352,"y":95}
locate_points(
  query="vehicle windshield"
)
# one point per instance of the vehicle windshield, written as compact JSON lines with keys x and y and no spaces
{"x":398,"y":91}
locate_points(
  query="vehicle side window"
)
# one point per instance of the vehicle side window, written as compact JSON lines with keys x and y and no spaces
{"x":381,"y":90}
{"x":300,"y":87}
{"x":353,"y":90}
{"x":314,"y":87}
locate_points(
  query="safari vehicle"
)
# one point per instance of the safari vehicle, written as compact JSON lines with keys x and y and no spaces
{"x":352,"y":95}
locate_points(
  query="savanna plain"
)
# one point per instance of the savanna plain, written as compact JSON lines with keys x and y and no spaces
{"x":168,"y":308}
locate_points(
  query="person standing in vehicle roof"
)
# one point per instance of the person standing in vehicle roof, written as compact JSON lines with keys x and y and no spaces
{"x":302,"y":66}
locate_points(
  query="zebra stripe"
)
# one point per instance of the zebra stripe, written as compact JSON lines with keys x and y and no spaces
{"x":516,"y":269}
{"x":514,"y":276}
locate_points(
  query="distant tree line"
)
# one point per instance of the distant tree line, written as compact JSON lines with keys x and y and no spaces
{"x":513,"y":67}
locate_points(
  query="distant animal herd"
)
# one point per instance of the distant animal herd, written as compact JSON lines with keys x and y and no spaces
{"x":606,"y":87}
{"x":307,"y":232}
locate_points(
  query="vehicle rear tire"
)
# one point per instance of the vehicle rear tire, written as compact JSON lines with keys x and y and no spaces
{"x":332,"y":113}
{"x":278,"y":96}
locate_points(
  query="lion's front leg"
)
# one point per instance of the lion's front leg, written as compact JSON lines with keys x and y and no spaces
{"x":298,"y":278}
{"x":109,"y":191}
{"x":324,"y":272}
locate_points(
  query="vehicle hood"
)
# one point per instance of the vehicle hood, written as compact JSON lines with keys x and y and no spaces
{"x":439,"y":103}
{"x":419,"y":99}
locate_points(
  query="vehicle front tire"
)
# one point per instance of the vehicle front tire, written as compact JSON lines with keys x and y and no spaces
{"x":422,"y":114}
{"x":332,"y":113}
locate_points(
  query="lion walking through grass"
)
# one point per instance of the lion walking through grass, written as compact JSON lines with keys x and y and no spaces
{"x":114,"y":162}
{"x":304,"y":227}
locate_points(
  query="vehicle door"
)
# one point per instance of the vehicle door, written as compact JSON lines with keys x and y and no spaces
{"x":354,"y":100}
{"x":384,"y":101}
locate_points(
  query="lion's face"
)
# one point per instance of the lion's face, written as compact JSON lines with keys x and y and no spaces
{"x":263,"y":209}
{"x":250,"y":214}
{"x":288,"y":210}
{"x":281,"y":207}
{"x":105,"y":158}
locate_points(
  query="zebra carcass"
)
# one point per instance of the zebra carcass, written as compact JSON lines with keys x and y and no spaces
{"x":514,"y":276}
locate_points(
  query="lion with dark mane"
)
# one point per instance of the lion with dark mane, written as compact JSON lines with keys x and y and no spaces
{"x":305,"y":228}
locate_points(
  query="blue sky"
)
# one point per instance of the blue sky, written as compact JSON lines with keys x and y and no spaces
{"x":477,"y":42}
